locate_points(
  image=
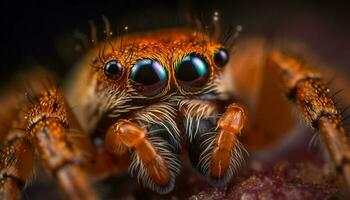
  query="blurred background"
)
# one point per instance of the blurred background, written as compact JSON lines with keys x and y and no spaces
{"x":42,"y":33}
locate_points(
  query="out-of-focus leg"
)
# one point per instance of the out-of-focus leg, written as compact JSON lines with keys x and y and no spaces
{"x":16,"y":167}
{"x":48,"y":130}
{"x":307,"y":90}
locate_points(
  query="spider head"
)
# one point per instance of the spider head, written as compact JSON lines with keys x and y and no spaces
{"x":134,"y":71}
{"x":153,"y":66}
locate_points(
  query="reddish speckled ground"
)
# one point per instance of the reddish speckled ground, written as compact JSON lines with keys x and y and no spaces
{"x":283,"y":181}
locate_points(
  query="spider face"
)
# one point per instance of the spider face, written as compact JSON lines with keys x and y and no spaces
{"x":151,"y":67}
{"x":138,"y":70}
{"x":158,"y":81}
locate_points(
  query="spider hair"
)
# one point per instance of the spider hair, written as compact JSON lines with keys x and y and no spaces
{"x":201,"y":109}
{"x":208,"y":139}
{"x":236,"y":160}
{"x":162,"y":114}
{"x":171,"y":159}
{"x":113,"y":102}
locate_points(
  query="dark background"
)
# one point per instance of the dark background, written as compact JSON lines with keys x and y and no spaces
{"x":39,"y":33}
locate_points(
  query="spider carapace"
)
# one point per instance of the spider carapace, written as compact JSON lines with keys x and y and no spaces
{"x":137,"y":102}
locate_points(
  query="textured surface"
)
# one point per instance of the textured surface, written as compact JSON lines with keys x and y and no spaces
{"x":283,"y":181}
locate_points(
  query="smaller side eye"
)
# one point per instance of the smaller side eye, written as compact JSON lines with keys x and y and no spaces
{"x":113,"y":69}
{"x":221,"y":57}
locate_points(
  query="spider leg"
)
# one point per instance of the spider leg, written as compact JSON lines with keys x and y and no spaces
{"x":17,"y":157}
{"x":155,"y":146}
{"x":308,"y":91}
{"x":47,"y":128}
{"x":212,"y":140}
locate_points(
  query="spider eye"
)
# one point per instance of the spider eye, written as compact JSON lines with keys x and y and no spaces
{"x":221,"y":57}
{"x":192,"y":72}
{"x":148,"y":77}
{"x":113,"y":69}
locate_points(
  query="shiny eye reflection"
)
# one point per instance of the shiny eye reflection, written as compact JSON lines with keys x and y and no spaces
{"x":113,"y":69}
{"x":148,"y":77}
{"x":221,"y":57}
{"x":192,"y":72}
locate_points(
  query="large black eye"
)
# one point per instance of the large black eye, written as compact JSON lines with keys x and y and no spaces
{"x":221,"y":57}
{"x":148,"y":77}
{"x":113,"y":69}
{"x":192,"y":72}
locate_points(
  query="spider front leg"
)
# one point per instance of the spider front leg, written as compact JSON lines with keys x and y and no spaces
{"x":155,"y":145}
{"x":212,"y":140}
{"x":307,"y":90}
{"x":47,"y":127}
{"x":17,"y":158}
{"x":46,"y":134}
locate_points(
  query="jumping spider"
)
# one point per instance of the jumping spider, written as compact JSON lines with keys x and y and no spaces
{"x":138,"y":100}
